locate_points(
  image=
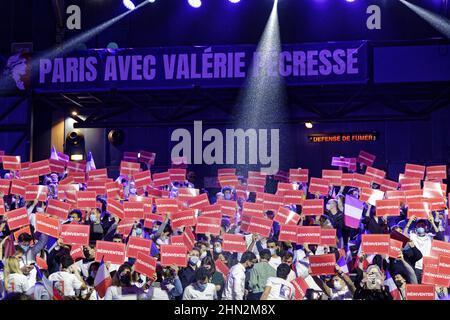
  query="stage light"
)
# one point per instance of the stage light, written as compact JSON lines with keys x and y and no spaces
{"x":350,"y":0}
{"x":129,"y":4}
{"x":234,"y":1}
{"x":309,"y":125}
{"x":76,"y":157}
{"x":116,"y":137}
{"x":151,"y":1}
{"x":74,"y":113}
{"x":195,"y":3}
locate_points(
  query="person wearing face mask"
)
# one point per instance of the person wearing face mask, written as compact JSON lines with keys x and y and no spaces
{"x":259,"y":274}
{"x":164,"y":237}
{"x":75,"y":216}
{"x":167,"y":285}
{"x":90,"y":293}
{"x":400,"y":282}
{"x":187,"y":274}
{"x":235,"y":284}
{"x":216,"y":277}
{"x":68,"y":279}
{"x":274,"y":248}
{"x":278,"y":288}
{"x":422,"y":241}
{"x":31,"y":251}
{"x":341,"y":288}
{"x":370,"y":285}
{"x":201,"y":289}
{"x":123,"y":289}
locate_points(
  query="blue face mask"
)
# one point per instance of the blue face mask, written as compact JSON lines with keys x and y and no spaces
{"x":201,"y":286}
{"x":93,"y":218}
{"x":24,"y":247}
{"x":193,"y":260}
{"x":138,"y":231}
{"x":420,"y":231}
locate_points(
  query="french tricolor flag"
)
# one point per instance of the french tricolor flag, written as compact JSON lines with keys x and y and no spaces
{"x":102,"y":280}
{"x":342,"y":263}
{"x":395,"y":293}
{"x":353,"y":212}
{"x":90,"y":164}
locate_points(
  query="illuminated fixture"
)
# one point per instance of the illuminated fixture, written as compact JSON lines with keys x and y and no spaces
{"x":116,"y":137}
{"x":75,"y":145}
{"x":234,"y":1}
{"x":308,"y":125}
{"x":74,"y":113}
{"x":129,"y":4}
{"x":195,"y":3}
{"x":76,"y":157}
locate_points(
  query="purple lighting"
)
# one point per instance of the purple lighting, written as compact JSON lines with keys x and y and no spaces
{"x":195,"y":3}
{"x":129,"y":4}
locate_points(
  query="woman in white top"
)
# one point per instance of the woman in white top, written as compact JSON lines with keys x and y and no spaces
{"x":122,"y":288}
{"x":15,"y":280}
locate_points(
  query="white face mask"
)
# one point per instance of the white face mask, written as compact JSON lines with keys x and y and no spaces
{"x":39,"y":209}
{"x":337,"y":285}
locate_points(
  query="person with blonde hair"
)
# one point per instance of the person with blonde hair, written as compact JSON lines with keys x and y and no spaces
{"x":14,"y":279}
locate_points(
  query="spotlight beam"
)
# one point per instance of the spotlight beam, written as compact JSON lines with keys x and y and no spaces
{"x":440,"y":23}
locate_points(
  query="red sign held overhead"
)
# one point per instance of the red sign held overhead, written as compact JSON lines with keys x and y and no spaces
{"x":199,"y":201}
{"x":261,"y":226}
{"x":138,"y":245}
{"x":11,"y":163}
{"x":313,"y":207}
{"x":33,"y":192}
{"x":437,"y":172}
{"x":298,"y":175}
{"x":420,"y":292}
{"x":366,"y":158}
{"x":318,"y":185}
{"x":387,"y":208}
{"x":414,"y":171}
{"x":322,"y":264}
{"x":129,"y":168}
{"x":75,"y":234}
{"x":395,"y":248}
{"x":288,"y":233}
{"x":18,"y":187}
{"x":376,"y":243}
{"x":47,"y":225}
{"x":147,"y":157}
{"x":161,"y":179}
{"x":113,"y":252}
{"x":17,"y":218}
{"x":58,"y":208}
{"x":183,"y":218}
{"x":86,"y":199}
{"x":173,"y":255}
{"x":285,"y":216}
{"x":334,"y":176}
{"x":300,"y":286}
{"x":234,"y":243}
{"x":328,"y":237}
{"x":308,"y":234}
{"x":145,"y":264}
{"x":133,"y":210}
{"x":208,"y":225}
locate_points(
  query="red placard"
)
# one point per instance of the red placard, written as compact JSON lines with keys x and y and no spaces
{"x":86,"y":199}
{"x":113,"y":252}
{"x":328,"y":237}
{"x":361,"y":181}
{"x":161,"y":179}
{"x":5,"y":185}
{"x":323,"y":264}
{"x":300,"y":286}
{"x":138,"y":245}
{"x":116,"y":208}
{"x":33,"y":192}
{"x":177,"y":240}
{"x":133,"y":210}
{"x":308,"y":234}
{"x":288,"y":233}
{"x":376,"y":173}
{"x":78,"y":177}
{"x":2,"y":206}
{"x":312,"y":207}
{"x":261,"y":226}
{"x":198,"y":201}
{"x":130,"y":156}
{"x":208,"y":225}
{"x":57,"y":166}
{"x":76,"y":167}
{"x":125,"y":226}
{"x":437,"y":172}
{"x":432,"y":276}
{"x":177,"y":175}
{"x":371,"y":195}
{"x":47,"y":225}
{"x":173,"y":255}
{"x":334,"y":176}
{"x":272,"y":201}
{"x":145,"y":264}
{"x":129,"y":168}
{"x":228,"y":181}
{"x":419,"y":209}
{"x":375,"y":243}
{"x":256,"y":184}
{"x":396,"y":195}
{"x":444,"y":265}
{"x":413,"y":195}
{"x":226,"y":172}
{"x":142,"y":179}
{"x":58,"y":208}
{"x":228,"y":207}
{"x":388,"y":185}
{"x":285,"y":216}
{"x":42,"y":166}
{"x":409,"y":184}
{"x":146,"y":157}
{"x":395,"y":247}
{"x":77,"y":252}
{"x":234,"y":243}
{"x":433,"y":190}
{"x":184,"y":218}
{"x":112,"y":190}
{"x":318,"y":185}
{"x":440,"y":248}
{"x":293,"y":197}
{"x":98,"y":186}
{"x":75,"y":234}
{"x":11,"y":163}
{"x":284,"y":186}
{"x":29,"y":176}
{"x":17,"y":218}
{"x":436,"y":204}
{"x":347,"y":179}
{"x":420,"y":292}
{"x":253,"y":209}
{"x":214,"y":209}
{"x":98,"y":174}
{"x":387,"y":208}
{"x":18,"y":187}
{"x":414,"y":171}
{"x":298,"y":175}
{"x":167,"y":205}
{"x":366,"y":158}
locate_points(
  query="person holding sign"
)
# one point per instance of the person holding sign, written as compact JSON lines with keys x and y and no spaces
{"x":201,"y":289}
{"x":278,"y":288}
